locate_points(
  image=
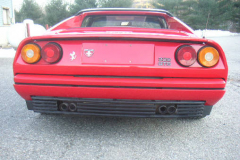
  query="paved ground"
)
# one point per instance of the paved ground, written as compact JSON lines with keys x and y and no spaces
{"x":28,"y":135}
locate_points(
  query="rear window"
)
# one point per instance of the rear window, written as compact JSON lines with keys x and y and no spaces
{"x":124,"y":21}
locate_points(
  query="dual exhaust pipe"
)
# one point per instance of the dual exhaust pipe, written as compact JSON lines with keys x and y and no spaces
{"x":163,"y":109}
{"x":72,"y":107}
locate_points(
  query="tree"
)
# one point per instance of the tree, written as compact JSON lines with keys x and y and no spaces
{"x":82,"y":4}
{"x":115,"y":3}
{"x":18,"y":16}
{"x":172,"y":6}
{"x":235,"y":15}
{"x":196,"y":13}
{"x":56,"y":11}
{"x":30,"y":10}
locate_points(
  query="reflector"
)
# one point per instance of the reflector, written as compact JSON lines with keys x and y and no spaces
{"x":51,"y":52}
{"x":209,"y":56}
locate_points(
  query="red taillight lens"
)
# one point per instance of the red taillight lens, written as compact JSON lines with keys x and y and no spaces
{"x":51,"y":52}
{"x":186,"y":55}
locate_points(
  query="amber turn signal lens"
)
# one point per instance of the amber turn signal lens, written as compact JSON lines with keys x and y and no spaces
{"x":30,"y":53}
{"x":208,"y":56}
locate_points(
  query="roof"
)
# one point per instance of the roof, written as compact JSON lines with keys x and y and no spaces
{"x":124,"y":9}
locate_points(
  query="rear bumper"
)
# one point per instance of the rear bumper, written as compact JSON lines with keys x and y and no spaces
{"x":119,"y":108}
{"x":134,"y":88}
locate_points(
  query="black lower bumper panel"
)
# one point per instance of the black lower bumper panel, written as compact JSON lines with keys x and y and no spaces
{"x":118,"y":107}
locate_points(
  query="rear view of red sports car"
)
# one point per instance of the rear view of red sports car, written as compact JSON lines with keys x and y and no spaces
{"x":121,"y":62}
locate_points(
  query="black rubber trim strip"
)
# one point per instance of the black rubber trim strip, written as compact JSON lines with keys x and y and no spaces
{"x":119,"y":39}
{"x":102,"y":76}
{"x":92,"y":86}
{"x":127,"y":77}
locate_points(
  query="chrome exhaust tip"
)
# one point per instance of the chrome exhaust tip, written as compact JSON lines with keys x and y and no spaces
{"x":162,"y":109}
{"x":171,"y":109}
{"x":72,"y":107}
{"x":63,"y":107}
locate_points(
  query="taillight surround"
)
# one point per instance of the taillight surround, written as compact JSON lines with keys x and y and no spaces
{"x":51,"y":52}
{"x":31,"y":53}
{"x":186,"y":55}
{"x":206,"y":56}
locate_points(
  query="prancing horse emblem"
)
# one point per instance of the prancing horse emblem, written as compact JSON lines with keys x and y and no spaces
{"x":88,"y":52}
{"x":73,"y":56}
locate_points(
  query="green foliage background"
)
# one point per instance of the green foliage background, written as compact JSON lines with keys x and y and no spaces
{"x":223,"y":14}
{"x":30,"y":10}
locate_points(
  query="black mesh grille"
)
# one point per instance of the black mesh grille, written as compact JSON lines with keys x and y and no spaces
{"x":39,"y":104}
{"x":195,"y":110}
{"x":113,"y":107}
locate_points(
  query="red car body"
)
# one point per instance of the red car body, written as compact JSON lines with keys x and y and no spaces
{"x":130,"y":71}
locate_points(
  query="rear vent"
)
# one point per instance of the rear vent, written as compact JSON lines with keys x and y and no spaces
{"x":44,"y":105}
{"x":116,"y":107}
{"x":190,"y":110}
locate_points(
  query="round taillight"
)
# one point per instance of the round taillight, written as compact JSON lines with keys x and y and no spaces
{"x":51,"y":52}
{"x":208,"y":56}
{"x":31,"y":53}
{"x":186,"y":55}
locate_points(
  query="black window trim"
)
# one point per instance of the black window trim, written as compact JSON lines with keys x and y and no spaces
{"x":126,"y":15}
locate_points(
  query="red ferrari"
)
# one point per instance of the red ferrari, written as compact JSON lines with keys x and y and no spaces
{"x":121,"y":62}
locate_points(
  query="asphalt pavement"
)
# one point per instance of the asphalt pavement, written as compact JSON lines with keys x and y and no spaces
{"x":28,"y":135}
